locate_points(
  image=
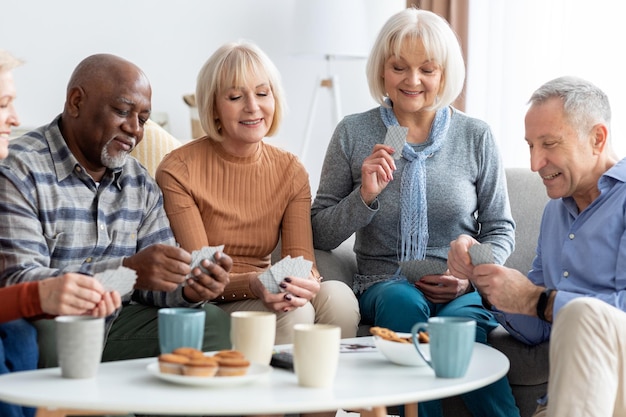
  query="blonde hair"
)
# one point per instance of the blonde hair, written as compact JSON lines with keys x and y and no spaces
{"x":8,"y":61}
{"x":441,"y":45}
{"x":232,"y":64}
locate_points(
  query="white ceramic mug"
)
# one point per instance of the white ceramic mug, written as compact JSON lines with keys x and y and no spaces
{"x":80,"y":340}
{"x":253,"y":333}
{"x":316,"y":354}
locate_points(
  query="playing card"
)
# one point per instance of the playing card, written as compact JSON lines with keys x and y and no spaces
{"x":267,"y":279}
{"x":396,"y":138}
{"x":286,"y":267}
{"x":121,"y":280}
{"x":207,"y":252}
{"x":481,"y":254}
{"x":415,"y":270}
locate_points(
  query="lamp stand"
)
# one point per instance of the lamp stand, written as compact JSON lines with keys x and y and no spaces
{"x":331,"y":82}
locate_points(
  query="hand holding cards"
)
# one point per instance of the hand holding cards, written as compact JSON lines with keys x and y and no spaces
{"x":481,"y":254}
{"x":207,"y":252}
{"x":286,"y":267}
{"x":396,"y":138}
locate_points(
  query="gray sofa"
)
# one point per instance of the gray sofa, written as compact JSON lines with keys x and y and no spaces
{"x":528,"y":374}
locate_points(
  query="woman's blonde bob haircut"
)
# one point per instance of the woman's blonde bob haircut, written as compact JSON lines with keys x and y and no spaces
{"x":232,"y":65}
{"x":441,"y":45}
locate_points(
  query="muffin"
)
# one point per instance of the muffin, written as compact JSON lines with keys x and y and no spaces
{"x":230,"y":354}
{"x":171,"y":363}
{"x":231,"y":363}
{"x":190,"y":352}
{"x":205,"y":366}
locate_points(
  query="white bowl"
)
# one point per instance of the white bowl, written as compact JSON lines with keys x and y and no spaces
{"x":402,"y":353}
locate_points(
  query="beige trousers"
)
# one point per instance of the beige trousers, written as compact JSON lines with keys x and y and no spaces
{"x":335,"y":303}
{"x":588,"y":361}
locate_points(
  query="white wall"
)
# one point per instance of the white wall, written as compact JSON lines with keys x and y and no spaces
{"x":170,"y":41}
{"x":515,"y":46}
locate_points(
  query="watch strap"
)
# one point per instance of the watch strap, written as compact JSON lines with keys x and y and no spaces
{"x":542,"y":303}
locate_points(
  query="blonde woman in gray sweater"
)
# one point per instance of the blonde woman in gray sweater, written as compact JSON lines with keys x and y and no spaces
{"x":410,"y":203}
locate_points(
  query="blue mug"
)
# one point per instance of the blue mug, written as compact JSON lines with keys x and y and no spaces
{"x":181,"y":327}
{"x":451,"y":344}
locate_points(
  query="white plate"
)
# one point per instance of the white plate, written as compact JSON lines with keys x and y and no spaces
{"x":255,"y":372}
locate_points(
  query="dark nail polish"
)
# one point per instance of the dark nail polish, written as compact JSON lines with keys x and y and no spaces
{"x":287,"y":279}
{"x":282,"y":285}
{"x":288,"y":297}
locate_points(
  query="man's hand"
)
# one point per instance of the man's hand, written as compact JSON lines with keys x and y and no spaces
{"x":203,"y":286}
{"x":506,"y":289}
{"x":376,"y":172}
{"x":160,"y":267}
{"x":459,"y":261}
{"x":442,"y":288}
{"x":76,"y":294}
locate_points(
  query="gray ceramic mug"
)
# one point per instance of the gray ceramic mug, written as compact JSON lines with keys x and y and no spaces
{"x":451,"y":344}
{"x":80,"y":340}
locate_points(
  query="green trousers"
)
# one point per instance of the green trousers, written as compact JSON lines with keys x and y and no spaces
{"x":135,"y":334}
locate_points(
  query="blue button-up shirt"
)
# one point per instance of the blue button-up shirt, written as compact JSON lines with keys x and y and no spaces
{"x":579,"y":254}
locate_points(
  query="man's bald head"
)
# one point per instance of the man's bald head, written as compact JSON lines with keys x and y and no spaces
{"x":102,"y":68}
{"x":108,"y":102}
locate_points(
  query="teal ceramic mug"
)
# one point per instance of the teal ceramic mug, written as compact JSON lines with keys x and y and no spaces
{"x":181,"y":327}
{"x":451,"y":344}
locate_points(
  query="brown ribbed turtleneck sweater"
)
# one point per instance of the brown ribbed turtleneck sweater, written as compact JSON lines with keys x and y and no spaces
{"x":245,"y":203}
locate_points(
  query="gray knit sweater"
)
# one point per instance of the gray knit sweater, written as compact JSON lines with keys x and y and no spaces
{"x":466,"y":193}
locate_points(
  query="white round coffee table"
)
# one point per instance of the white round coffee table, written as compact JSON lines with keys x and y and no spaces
{"x":365,"y":380}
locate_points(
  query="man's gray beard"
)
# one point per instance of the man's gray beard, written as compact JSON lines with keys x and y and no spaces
{"x":113,"y":162}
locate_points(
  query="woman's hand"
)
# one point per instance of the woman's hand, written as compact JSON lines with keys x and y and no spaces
{"x":296,"y":293}
{"x":376,"y":172}
{"x":76,"y":294}
{"x":442,"y":288}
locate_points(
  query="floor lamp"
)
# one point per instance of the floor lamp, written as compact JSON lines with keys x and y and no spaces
{"x":333,"y":30}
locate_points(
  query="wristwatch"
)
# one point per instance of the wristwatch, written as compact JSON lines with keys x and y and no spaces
{"x":543,"y":302}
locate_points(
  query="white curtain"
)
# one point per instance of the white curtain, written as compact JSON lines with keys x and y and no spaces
{"x":514,"y":46}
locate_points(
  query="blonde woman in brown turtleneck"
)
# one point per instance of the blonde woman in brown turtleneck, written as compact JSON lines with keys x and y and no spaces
{"x":232,"y":188}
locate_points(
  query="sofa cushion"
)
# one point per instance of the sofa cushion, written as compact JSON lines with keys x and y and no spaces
{"x":338,"y":264}
{"x":529,"y":364}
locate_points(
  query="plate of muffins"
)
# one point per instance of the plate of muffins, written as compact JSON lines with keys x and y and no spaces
{"x":191,"y":366}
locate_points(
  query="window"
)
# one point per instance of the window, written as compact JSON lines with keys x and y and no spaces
{"x":517,"y":45}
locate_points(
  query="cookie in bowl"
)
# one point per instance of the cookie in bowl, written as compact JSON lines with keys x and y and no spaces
{"x":398,"y":348}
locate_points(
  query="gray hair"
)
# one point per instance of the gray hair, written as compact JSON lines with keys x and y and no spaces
{"x":584,"y":104}
{"x":440,"y":42}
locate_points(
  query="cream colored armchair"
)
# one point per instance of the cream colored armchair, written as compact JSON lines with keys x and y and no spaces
{"x":157,"y":142}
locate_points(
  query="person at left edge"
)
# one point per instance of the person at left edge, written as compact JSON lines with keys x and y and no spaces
{"x":71,"y":200}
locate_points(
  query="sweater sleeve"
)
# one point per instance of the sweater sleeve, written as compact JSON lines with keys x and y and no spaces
{"x":338,"y":210}
{"x":20,"y":301}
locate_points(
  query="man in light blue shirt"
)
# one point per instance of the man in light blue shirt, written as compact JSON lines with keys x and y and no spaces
{"x":581,"y":251}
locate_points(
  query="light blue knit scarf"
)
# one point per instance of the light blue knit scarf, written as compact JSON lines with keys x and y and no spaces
{"x":413,"y":206}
